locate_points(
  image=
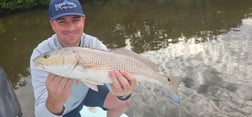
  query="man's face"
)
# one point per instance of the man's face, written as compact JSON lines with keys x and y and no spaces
{"x":68,"y":29}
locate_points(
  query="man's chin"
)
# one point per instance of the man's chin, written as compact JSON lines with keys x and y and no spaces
{"x":72,"y":36}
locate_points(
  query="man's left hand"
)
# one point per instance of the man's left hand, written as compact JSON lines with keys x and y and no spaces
{"x":123,"y":83}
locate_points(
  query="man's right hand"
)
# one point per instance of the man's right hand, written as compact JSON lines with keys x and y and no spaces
{"x":59,"y":89}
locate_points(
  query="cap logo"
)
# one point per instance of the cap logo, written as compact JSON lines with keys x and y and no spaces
{"x":65,"y":5}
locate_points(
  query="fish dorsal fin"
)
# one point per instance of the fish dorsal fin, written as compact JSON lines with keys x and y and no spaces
{"x":129,"y":53}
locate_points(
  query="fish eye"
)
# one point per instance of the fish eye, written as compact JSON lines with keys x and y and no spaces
{"x":169,"y":79}
{"x":46,"y":56}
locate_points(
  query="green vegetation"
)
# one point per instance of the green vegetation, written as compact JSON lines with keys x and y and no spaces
{"x":7,"y":6}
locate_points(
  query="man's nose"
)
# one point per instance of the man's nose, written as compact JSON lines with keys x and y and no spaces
{"x":70,"y":26}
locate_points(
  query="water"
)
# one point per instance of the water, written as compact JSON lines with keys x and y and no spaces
{"x":206,"y":42}
{"x":217,"y":76}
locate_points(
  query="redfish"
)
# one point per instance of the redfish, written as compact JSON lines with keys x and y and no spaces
{"x":92,"y":66}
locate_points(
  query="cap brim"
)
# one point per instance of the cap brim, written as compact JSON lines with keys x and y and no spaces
{"x":65,"y":14}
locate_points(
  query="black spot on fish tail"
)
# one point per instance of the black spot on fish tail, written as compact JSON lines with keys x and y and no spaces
{"x":169,"y":79}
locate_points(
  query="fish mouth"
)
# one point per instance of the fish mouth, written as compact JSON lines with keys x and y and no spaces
{"x":40,"y":66}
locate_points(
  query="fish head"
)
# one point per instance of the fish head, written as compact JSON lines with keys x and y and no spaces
{"x":170,"y":86}
{"x":56,"y":61}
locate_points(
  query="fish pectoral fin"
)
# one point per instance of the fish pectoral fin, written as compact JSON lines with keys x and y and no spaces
{"x":91,"y":86}
{"x":79,"y":68}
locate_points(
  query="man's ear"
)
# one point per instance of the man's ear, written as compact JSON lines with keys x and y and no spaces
{"x":52,"y":25}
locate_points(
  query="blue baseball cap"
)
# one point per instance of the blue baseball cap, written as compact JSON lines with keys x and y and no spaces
{"x":59,"y":8}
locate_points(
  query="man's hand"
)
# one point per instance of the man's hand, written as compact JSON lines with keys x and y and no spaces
{"x":59,"y":89}
{"x":123,"y":83}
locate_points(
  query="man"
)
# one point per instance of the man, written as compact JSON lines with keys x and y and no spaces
{"x":56,"y":96}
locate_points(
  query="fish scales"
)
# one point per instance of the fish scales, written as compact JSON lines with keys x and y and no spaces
{"x":115,"y":61}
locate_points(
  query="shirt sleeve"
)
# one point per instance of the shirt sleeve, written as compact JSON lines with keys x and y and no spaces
{"x":99,"y":45}
{"x":39,"y":87}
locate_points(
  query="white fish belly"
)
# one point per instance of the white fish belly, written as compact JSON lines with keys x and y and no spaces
{"x":101,"y":76}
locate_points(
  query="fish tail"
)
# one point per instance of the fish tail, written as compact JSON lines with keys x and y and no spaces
{"x":172,"y":90}
{"x":175,"y":81}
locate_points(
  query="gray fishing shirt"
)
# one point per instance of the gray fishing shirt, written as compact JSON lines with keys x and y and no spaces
{"x":79,"y":90}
